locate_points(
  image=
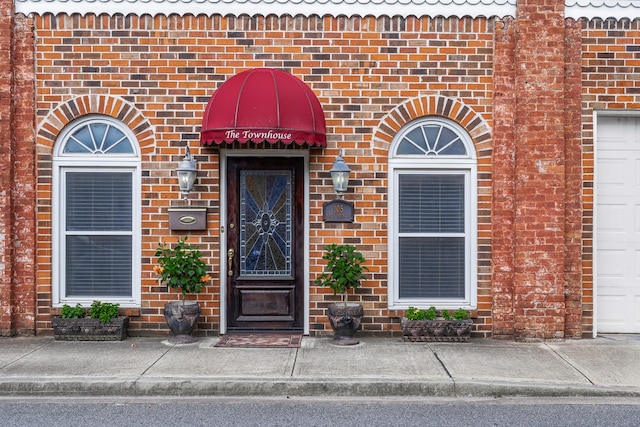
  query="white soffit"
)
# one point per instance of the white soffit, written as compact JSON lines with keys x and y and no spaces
{"x":473,"y":8}
{"x":603,"y":9}
{"x":576,"y":9}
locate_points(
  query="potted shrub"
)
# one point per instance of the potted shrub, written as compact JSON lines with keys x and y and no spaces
{"x":426,"y":326}
{"x":183,"y":269}
{"x":344,"y":271}
{"x":102,"y":323}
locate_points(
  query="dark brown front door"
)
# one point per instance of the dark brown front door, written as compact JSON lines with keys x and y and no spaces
{"x":265,"y":236}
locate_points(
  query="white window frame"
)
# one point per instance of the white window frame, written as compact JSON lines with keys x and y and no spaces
{"x":465,"y":165}
{"x":86,"y":162}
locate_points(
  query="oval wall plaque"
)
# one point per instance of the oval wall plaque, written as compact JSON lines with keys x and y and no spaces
{"x":188,"y":218}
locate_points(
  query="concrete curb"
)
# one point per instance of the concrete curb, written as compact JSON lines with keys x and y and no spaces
{"x":498,"y":389}
{"x":194,"y":387}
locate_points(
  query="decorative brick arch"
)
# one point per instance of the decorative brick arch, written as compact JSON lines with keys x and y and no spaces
{"x":480,"y":133}
{"x":434,"y":105}
{"x":46,"y":136}
{"x":74,"y":108}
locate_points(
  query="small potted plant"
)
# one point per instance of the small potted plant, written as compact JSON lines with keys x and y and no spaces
{"x":102,"y":324}
{"x":426,"y":326}
{"x":183,"y":269}
{"x":344,"y":271}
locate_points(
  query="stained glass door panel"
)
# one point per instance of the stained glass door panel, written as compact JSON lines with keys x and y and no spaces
{"x":265,"y":202}
{"x":265,"y":223}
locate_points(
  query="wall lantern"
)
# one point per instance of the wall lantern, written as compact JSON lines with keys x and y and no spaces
{"x":340,"y":175}
{"x":339,"y":210}
{"x":187,"y":172}
{"x":187,"y":218}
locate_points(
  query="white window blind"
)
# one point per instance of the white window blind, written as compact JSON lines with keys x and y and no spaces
{"x":98,"y":201}
{"x":431,"y":203}
{"x":99,"y":238}
{"x":431,"y":236}
{"x":98,"y":266}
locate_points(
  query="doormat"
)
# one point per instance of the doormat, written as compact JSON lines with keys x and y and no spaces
{"x":260,"y":340}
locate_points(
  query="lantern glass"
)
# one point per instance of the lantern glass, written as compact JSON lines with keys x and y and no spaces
{"x":186,"y":180}
{"x":340,"y":175}
{"x":340,"y":181}
{"x":187,"y":173}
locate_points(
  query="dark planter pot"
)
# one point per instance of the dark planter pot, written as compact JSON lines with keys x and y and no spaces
{"x":345,"y":321}
{"x":87,"y":329}
{"x":182,"y":318}
{"x":436,"y":330}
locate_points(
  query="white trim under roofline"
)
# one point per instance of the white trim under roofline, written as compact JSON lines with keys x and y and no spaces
{"x":589,"y":9}
{"x":604,"y":9}
{"x":446,"y":8}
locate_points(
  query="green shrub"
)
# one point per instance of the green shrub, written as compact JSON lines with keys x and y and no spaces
{"x":419,"y":314}
{"x":461,"y":314}
{"x":414,"y":313}
{"x":344,"y":270}
{"x":68,"y":312}
{"x":431,"y":313}
{"x":181,"y":267}
{"x":104,"y":311}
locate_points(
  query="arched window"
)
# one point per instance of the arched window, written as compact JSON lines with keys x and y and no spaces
{"x":432,"y":216}
{"x":96,"y":213}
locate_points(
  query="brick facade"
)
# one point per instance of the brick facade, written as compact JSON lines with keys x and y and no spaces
{"x":524,"y":95}
{"x":17,"y":174}
{"x":168,"y":85}
{"x":539,"y":171}
{"x":6,"y":120}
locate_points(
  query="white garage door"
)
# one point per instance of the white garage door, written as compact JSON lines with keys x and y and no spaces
{"x":618,"y":224}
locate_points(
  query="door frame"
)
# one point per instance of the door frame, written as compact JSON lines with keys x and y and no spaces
{"x":596,"y":137}
{"x":224,"y":155}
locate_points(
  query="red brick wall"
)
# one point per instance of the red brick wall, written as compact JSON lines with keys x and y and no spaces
{"x":24,"y":184}
{"x":165,"y":69}
{"x":504,"y":188}
{"x":596,"y":55}
{"x":576,"y":323}
{"x":540,"y":171}
{"x":17,"y":176}
{"x":514,"y":87}
{"x":6,"y":162}
{"x":536,"y":253}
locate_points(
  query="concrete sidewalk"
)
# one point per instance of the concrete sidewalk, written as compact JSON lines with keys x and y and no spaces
{"x":605,"y":366}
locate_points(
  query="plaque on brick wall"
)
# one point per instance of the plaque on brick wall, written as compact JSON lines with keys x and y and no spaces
{"x":337,"y":211}
{"x":188,"y":218}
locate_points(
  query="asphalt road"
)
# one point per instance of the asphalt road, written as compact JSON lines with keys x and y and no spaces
{"x":113,"y":412}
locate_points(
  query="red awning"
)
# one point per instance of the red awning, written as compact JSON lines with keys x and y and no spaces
{"x":264,"y":104}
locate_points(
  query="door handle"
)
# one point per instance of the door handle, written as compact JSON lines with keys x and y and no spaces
{"x":230,"y":254}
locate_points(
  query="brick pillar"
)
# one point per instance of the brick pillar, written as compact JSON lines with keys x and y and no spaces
{"x":504,"y":175}
{"x":574,"y":323}
{"x":17,"y":174}
{"x":24,"y":178}
{"x":6,"y":164}
{"x":540,"y":193}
